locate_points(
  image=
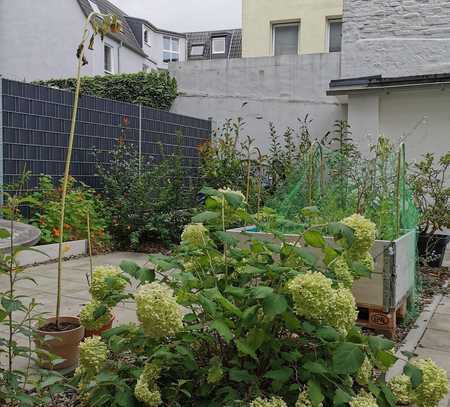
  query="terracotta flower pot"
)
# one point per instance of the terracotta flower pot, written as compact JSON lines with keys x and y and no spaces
{"x":88,"y":333}
{"x":64,"y":344}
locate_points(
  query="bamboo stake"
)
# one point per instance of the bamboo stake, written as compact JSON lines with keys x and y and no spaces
{"x":91,"y":268}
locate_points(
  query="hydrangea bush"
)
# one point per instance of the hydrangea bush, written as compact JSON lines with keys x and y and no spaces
{"x":107,"y":289}
{"x":254,"y":324}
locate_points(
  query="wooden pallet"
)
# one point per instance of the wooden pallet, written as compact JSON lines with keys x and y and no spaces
{"x":380,"y":321}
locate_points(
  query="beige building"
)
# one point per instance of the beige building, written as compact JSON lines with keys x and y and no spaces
{"x":279,"y":27}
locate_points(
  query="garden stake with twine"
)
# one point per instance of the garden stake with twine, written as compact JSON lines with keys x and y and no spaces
{"x":109,"y":24}
{"x":91,"y":267}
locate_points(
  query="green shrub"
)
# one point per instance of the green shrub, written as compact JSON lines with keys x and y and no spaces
{"x":154,"y":89}
{"x":144,"y":202}
{"x":45,"y":211}
{"x":229,"y":326}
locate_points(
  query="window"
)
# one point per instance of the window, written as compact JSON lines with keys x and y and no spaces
{"x":108,"y":59}
{"x":171,"y":49}
{"x":146,"y":37}
{"x":218,"y":45}
{"x":94,"y":6}
{"x":285,"y":39}
{"x":197,"y":50}
{"x":335,"y":35}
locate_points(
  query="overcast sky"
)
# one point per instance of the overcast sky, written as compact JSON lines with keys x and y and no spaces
{"x":185,"y":15}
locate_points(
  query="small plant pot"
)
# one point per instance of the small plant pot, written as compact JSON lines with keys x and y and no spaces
{"x":432,"y":248}
{"x":64,"y":344}
{"x":88,"y":333}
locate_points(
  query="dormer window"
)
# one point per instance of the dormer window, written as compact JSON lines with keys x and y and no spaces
{"x":197,"y":50}
{"x":146,"y":37}
{"x":218,"y":45}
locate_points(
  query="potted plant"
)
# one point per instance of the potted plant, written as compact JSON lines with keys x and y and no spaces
{"x":107,"y":290}
{"x":61,"y":335}
{"x":432,"y":197}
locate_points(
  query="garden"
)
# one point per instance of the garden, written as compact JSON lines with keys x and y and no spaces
{"x":278,"y":277}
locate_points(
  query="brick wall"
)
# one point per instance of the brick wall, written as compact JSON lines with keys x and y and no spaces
{"x":395,"y":37}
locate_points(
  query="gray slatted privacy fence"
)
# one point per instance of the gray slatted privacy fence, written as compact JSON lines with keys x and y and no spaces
{"x":34,"y":131}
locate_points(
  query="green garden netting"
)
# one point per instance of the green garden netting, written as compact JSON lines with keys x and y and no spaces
{"x":342,"y":182}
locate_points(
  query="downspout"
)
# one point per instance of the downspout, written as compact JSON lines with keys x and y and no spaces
{"x":118,"y":56}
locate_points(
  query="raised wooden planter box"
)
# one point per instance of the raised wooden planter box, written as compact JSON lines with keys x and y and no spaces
{"x":382,"y":297}
{"x":50,"y":252}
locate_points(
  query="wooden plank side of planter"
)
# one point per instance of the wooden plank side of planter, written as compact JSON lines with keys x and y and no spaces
{"x":49,"y":252}
{"x":405,"y":266}
{"x":368,"y":292}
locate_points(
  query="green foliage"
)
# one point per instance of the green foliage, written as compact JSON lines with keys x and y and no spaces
{"x":242,"y":339}
{"x":18,"y":316}
{"x":45,"y":208}
{"x":144,"y":201}
{"x":429,"y":180}
{"x":153,"y":89}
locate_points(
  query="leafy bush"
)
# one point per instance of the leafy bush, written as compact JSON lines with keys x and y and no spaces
{"x":263,"y":324}
{"x":80,"y":200}
{"x":154,"y":89}
{"x":144,"y":201}
{"x":431,"y":192}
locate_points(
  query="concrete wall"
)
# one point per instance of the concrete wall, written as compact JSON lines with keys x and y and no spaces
{"x":419,"y":117}
{"x":395,"y":37}
{"x":259,"y":15}
{"x":277,"y":89}
{"x":39,"y":42}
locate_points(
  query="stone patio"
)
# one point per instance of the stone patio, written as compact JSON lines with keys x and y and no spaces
{"x":75,"y":288}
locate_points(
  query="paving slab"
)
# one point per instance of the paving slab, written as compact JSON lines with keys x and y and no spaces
{"x":441,"y":322}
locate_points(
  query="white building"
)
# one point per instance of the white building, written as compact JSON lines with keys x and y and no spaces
{"x":39,"y":40}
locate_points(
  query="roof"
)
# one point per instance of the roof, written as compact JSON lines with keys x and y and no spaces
{"x":233,"y":43}
{"x":153,"y":27}
{"x":127,"y":35}
{"x":344,"y":86}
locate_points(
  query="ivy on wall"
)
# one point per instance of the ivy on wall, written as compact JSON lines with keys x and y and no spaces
{"x":155,"y":89}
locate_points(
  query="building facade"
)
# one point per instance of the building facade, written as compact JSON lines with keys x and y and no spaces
{"x":223,"y":44}
{"x":39,"y":40}
{"x":271,"y":28}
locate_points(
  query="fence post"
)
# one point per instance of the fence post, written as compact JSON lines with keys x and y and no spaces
{"x":140,"y":139}
{"x":1,"y":144}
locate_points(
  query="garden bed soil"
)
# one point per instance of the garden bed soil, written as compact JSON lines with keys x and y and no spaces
{"x":63,"y":326}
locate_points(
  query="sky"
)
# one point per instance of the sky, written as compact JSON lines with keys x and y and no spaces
{"x":185,"y":15}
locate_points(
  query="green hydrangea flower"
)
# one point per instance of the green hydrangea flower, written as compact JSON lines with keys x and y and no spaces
{"x":367,"y":260}
{"x":365,"y":232}
{"x":215,"y":374}
{"x":93,"y":355}
{"x":195,"y":234}
{"x":304,"y":400}
{"x":434,"y":386}
{"x":363,"y":399}
{"x":316,"y":299}
{"x":147,"y":390}
{"x":311,"y":293}
{"x":107,"y":281}
{"x":342,"y":272}
{"x":365,"y":372}
{"x":272,"y":402}
{"x":157,"y":311}
{"x":88,"y":319}
{"x":401,"y":389}
{"x":342,"y":311}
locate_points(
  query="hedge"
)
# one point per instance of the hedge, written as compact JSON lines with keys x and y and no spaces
{"x":153,"y":89}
